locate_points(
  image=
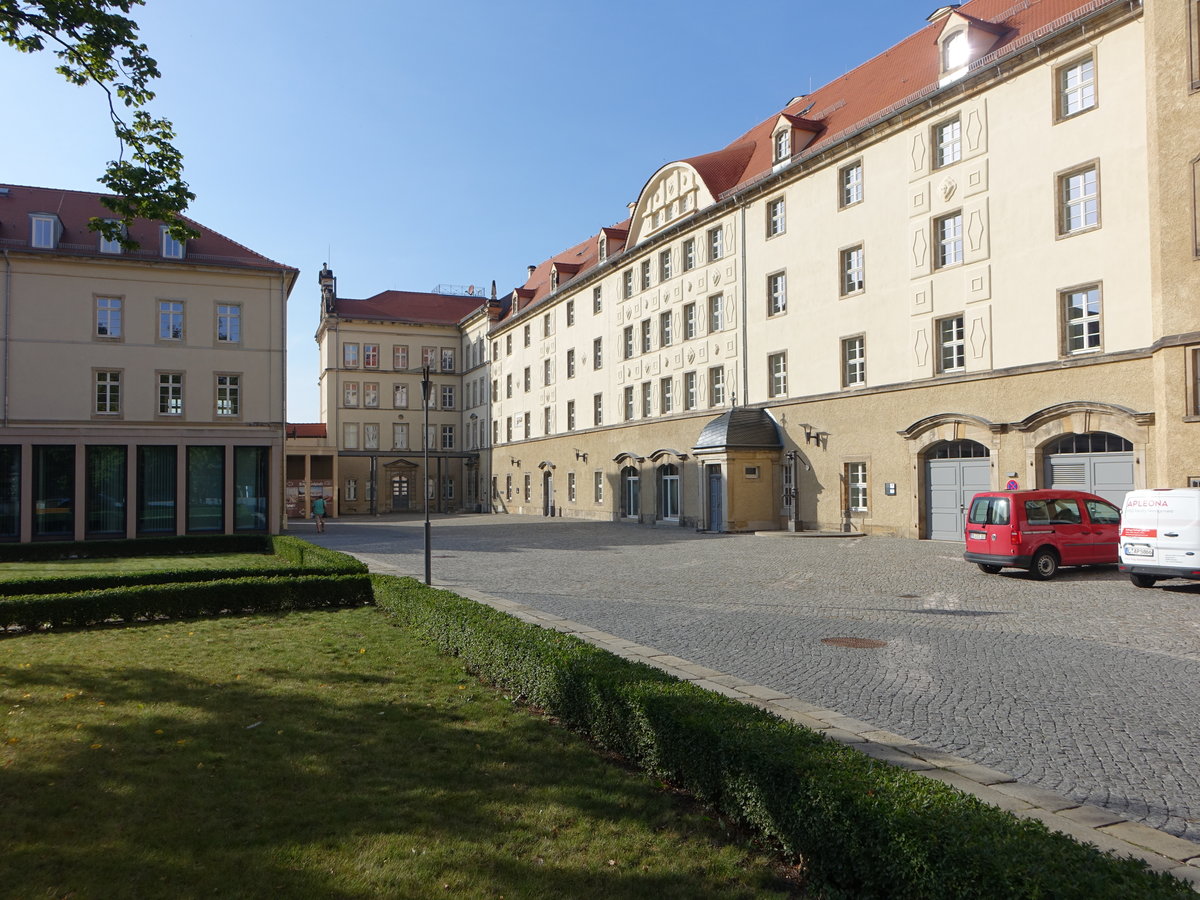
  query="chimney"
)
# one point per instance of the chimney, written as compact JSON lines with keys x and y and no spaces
{"x":530,"y":275}
{"x":493,"y":310}
{"x":493,"y":288}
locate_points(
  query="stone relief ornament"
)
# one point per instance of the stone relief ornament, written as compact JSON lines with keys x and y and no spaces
{"x":949,"y":186}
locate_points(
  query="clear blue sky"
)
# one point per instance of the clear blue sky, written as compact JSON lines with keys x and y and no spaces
{"x":415,"y":144}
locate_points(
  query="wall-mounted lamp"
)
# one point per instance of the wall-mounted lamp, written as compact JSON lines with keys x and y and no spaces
{"x":513,"y":461}
{"x":474,"y":416}
{"x":582,"y":456}
{"x":808,"y":431}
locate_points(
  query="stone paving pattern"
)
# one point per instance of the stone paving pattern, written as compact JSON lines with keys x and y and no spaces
{"x":1084,"y":688}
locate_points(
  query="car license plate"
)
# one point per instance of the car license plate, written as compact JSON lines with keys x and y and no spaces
{"x":1137,"y":550}
{"x":979,"y":535}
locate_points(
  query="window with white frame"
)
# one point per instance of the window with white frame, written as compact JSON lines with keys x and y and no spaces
{"x":666,"y":396}
{"x":856,"y":486}
{"x":627,"y":283}
{"x":400,"y":355}
{"x":1079,"y":200}
{"x":371,"y":394}
{"x":947,"y":143}
{"x":716,"y":386}
{"x":229,"y":323}
{"x":429,"y":356}
{"x":108,"y":317}
{"x":776,"y":293}
{"x":108,"y":392}
{"x":782,"y":144}
{"x":664,"y":265}
{"x":665,"y":335}
{"x":508,"y":345}
{"x":447,"y":437}
{"x":448,"y":396}
{"x":400,"y":436}
{"x":571,"y":487}
{"x":508,"y":493}
{"x":527,"y":335}
{"x":546,"y":424}
{"x":716,"y":243}
{"x":690,"y":399}
{"x":570,"y":313}
{"x":853,"y":270}
{"x":647,"y":399}
{"x":645,"y":274}
{"x":627,"y":406}
{"x":689,"y":254}
{"x":777,"y":366}
{"x":948,"y":237}
{"x":598,"y":487}
{"x":850,"y":184}
{"x":171,"y":248}
{"x":571,"y":363}
{"x":547,"y":326}
{"x":1076,"y":86}
{"x":570,"y":415}
{"x":854,"y":361}
{"x":597,"y":354}
{"x":508,"y":428}
{"x":370,"y":356}
{"x":400,"y":396}
{"x":690,"y":323}
{"x":170,"y":393}
{"x":597,"y":301}
{"x":547,"y":372}
{"x":956,"y":51}
{"x":628,"y":344}
{"x":229,"y":395}
{"x":351,"y":492}
{"x":716,"y":313}
{"x":371,"y":436}
{"x":603,"y":251}
{"x":646,"y":337}
{"x":350,"y":435}
{"x":170,"y":320}
{"x":112,"y":246}
{"x":776,"y":217}
{"x":508,"y":386}
{"x":952,"y":347}
{"x":349,"y":393}
{"x":528,"y":379}
{"x":44,"y":231}
{"x":1081,"y":319}
{"x":350,"y":356}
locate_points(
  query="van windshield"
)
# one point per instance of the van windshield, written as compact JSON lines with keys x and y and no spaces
{"x":988,"y":511}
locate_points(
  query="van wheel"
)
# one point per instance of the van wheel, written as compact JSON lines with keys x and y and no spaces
{"x":989,"y":568}
{"x":1044,"y":565}
{"x":1143,"y":580}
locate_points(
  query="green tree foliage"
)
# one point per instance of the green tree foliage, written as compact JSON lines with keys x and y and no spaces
{"x":97,"y":42}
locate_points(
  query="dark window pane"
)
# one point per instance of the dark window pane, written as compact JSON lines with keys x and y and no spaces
{"x":205,"y":488}
{"x":104,"y":499}
{"x":10,"y":491}
{"x":250,"y":488}
{"x":156,"y":490}
{"x":54,"y":492}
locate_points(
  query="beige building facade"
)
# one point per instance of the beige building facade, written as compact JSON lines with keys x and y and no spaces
{"x":143,"y":391}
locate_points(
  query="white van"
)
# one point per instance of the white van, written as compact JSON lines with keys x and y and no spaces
{"x":1160,"y":535}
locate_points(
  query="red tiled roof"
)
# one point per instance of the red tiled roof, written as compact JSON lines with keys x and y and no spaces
{"x":416,"y":307}
{"x":869,"y":93}
{"x":306,"y":430}
{"x":75,"y":208}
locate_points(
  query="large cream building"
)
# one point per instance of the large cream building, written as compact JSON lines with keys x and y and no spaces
{"x":970,"y":262}
{"x":143,"y":391}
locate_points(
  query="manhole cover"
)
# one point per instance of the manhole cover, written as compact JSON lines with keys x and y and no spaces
{"x":854,"y":643}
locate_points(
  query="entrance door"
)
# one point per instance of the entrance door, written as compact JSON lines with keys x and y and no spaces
{"x":400,"y":493}
{"x":1096,"y":462}
{"x":716,"y":510}
{"x":955,"y":471}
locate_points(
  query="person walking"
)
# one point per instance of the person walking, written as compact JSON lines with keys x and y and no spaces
{"x":318,"y":511}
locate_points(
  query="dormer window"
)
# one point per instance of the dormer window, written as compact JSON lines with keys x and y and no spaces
{"x":107,"y":246}
{"x":554,"y":279}
{"x":171,"y":248}
{"x":44,"y":231}
{"x":783,"y":144}
{"x":963,"y":40}
{"x":603,"y":247}
{"x":956,"y":52}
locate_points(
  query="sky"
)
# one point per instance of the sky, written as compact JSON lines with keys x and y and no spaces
{"x":411,"y":145}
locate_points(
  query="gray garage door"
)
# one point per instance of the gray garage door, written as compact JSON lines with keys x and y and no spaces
{"x":1097,"y":461}
{"x":954,"y":472}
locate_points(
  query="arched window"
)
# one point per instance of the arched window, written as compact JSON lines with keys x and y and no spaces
{"x":1090,"y":442}
{"x":668,"y":491}
{"x":955,"y":52}
{"x":630,"y":492}
{"x":958,"y":450}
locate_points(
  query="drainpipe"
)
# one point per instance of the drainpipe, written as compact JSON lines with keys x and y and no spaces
{"x":7,"y":323}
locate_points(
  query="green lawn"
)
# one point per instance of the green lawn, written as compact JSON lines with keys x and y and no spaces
{"x":323,"y":754}
{"x":72,"y":568}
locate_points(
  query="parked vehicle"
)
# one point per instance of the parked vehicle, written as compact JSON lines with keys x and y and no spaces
{"x":1160,"y":535}
{"x":1040,"y":531}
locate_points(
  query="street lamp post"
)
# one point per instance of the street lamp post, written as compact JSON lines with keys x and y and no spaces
{"x":425,"y":486}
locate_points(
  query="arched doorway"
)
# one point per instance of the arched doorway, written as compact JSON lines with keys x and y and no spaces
{"x":547,"y":492}
{"x":630,"y":492}
{"x":1095,"y":461}
{"x":954,"y":472}
{"x":668,"y":492}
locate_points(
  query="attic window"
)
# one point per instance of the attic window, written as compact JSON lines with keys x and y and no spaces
{"x":956,"y":51}
{"x":107,"y":246}
{"x":783,"y":144}
{"x":554,"y":279}
{"x":171,"y":248}
{"x":603,"y":247}
{"x":45,"y":231}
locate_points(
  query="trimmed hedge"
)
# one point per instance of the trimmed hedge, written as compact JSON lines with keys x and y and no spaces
{"x":861,"y":828}
{"x":128,"y":604}
{"x":183,"y":545}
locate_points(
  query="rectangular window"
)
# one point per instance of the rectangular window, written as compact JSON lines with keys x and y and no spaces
{"x":597,"y":301}
{"x":44,"y":231}
{"x":171,"y":248}
{"x":111,"y":246}
{"x":229,"y":323}
{"x":716,"y":386}
{"x":598,"y":409}
{"x":205,"y":488}
{"x":1077,"y":87}
{"x":170,"y":320}
{"x":54,"y":491}
{"x":716,"y":243}
{"x":627,"y":283}
{"x":628,"y":344}
{"x":853,"y":270}
{"x":949,"y":237}
{"x":647,"y":399}
{"x":664,"y":265}
{"x":447,"y":437}
{"x":508,"y":430}
{"x":156,"y":487}
{"x":350,"y":435}
{"x":664,"y":330}
{"x":777,"y":365}
{"x":689,"y":390}
{"x":646,"y":345}
{"x":104,"y":491}
{"x":350,"y":393}
{"x":170,"y":393}
{"x":229,"y":395}
{"x":716,"y":313}
{"x":507,"y":487}
{"x":250,"y":488}
{"x":597,"y":354}
{"x":947,"y":143}
{"x":689,"y":254}
{"x":856,"y":486}
{"x":570,"y":313}
{"x":448,"y":396}
{"x":570,"y":415}
{"x":400,"y":356}
{"x":776,"y":217}
{"x":528,"y":379}
{"x":666,"y":396}
{"x":370,"y":356}
{"x":371,"y":394}
{"x":508,"y":345}
{"x":1081,"y":318}
{"x":598,"y":486}
{"x":571,"y":487}
{"x":689,"y":321}
{"x":528,"y":487}
{"x":1079,"y":200}
{"x":351,"y":492}
{"x":546,"y":425}
{"x":108,"y":317}
{"x":546,"y":326}
{"x":571,"y":363}
{"x":783,"y":144}
{"x":508,"y":386}
{"x":400,"y":436}
{"x":628,"y":405}
{"x":10,"y":491}
{"x":371,"y":436}
{"x":108,"y":392}
{"x":951,"y":345}
{"x":350,"y":356}
{"x":527,"y":335}
{"x":429,"y":357}
{"x":645,"y":272}
{"x":854,"y":361}
{"x":850,"y":184}
{"x":400,"y":396}
{"x":776,"y":293}
{"x":547,"y":372}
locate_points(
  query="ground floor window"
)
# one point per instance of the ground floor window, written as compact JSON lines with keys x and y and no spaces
{"x":104,"y":495}
{"x":856,"y":486}
{"x":10,"y":491}
{"x":205,"y":488}
{"x":156,"y":490}
{"x":54,"y":492}
{"x":250,"y":490}
{"x":630,"y":491}
{"x":668,"y":489}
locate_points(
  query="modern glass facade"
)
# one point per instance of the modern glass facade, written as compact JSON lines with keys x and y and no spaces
{"x":10,"y":492}
{"x":156,"y":490}
{"x":205,"y":488}
{"x":54,"y":492}
{"x":250,"y":490}
{"x":104,"y":497}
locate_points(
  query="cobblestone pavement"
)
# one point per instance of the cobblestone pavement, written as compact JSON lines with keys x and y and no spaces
{"x":1085,"y":685}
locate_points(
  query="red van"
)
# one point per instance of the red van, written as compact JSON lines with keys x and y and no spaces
{"x":1040,"y":531}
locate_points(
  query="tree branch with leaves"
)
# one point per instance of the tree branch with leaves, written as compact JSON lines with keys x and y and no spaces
{"x":96,"y":42}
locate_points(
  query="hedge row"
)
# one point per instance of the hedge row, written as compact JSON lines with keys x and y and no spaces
{"x":861,"y":828}
{"x":128,"y":604}
{"x":182,"y":545}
